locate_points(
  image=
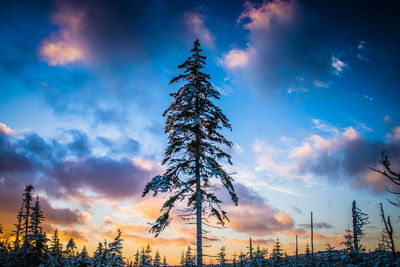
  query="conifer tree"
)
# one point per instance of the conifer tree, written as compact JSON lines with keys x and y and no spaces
{"x":189,"y":258}
{"x":222,"y":256}
{"x":277,"y":253}
{"x":98,"y":259}
{"x":387,"y":234}
{"x":37,"y":235}
{"x":115,"y":251}
{"x":157,"y":259}
{"x":83,"y":258}
{"x":27,"y":205}
{"x":194,"y":150}
{"x":360,"y":219}
{"x":165,"y":261}
{"x":70,"y":248}
{"x":137,"y":258}
{"x":56,"y":249}
{"x":182,"y":262}
{"x":18,"y":227}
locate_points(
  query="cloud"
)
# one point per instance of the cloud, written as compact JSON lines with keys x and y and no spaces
{"x":346,"y":155}
{"x":317,"y":225}
{"x":195,"y":23}
{"x":255,"y":216}
{"x":65,"y":46}
{"x":62,"y":216}
{"x":4,"y":129}
{"x":338,"y":65}
{"x":237,"y":58}
{"x":267,"y":13}
{"x":66,"y":167}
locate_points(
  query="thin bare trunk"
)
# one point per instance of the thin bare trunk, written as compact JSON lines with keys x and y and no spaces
{"x":388,"y":229}
{"x":312,"y":238}
{"x":198,"y":217}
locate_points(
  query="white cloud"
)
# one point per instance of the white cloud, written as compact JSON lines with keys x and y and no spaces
{"x":237,"y":58}
{"x":338,"y":65}
{"x":321,"y":84}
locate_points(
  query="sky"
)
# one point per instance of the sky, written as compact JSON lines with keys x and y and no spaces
{"x":310,"y":88}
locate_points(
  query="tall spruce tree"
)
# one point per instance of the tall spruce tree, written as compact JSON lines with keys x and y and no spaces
{"x":37,"y":235}
{"x":27,"y":205}
{"x":194,"y":150}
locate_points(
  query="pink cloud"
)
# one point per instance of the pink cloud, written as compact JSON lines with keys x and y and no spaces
{"x":65,"y":46}
{"x":261,"y":16}
{"x":4,"y":129}
{"x":195,"y":22}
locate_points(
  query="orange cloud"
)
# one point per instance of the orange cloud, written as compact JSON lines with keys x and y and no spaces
{"x":237,"y":58}
{"x":261,"y":16}
{"x":64,"y":46}
{"x":4,"y":129}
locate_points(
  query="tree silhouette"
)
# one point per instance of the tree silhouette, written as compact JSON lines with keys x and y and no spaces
{"x":391,"y":175}
{"x":194,"y":150}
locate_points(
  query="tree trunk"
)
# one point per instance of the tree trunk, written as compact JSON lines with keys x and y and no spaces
{"x":389,"y":229}
{"x":199,"y":224}
{"x":355,"y":226}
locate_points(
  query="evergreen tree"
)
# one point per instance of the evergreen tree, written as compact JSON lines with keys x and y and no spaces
{"x":221,"y":256}
{"x":182,"y":262}
{"x":194,"y":149}
{"x":165,"y":262}
{"x":70,"y":248}
{"x":115,"y":251}
{"x":137,"y":258}
{"x":98,"y":259}
{"x":83,"y":258}
{"x":277,"y":253}
{"x":56,"y":249}
{"x":189,"y":258}
{"x":37,"y":235}
{"x":157,"y":259}
{"x":360,"y":219}
{"x":18,"y":227}
{"x":27,"y":205}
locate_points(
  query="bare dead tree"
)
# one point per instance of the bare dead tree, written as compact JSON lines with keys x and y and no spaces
{"x":388,"y":231}
{"x":391,"y":175}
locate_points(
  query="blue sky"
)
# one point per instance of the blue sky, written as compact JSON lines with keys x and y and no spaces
{"x":310,"y":88}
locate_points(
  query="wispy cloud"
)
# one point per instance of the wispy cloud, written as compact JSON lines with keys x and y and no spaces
{"x":196,"y":24}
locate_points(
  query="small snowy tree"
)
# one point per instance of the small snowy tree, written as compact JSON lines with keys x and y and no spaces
{"x":18,"y":227}
{"x":115,"y":251}
{"x":194,"y":150}
{"x":137,"y":259}
{"x":27,"y":205}
{"x":221,"y":256}
{"x":165,"y":264}
{"x":83,"y":258}
{"x":157,"y":259}
{"x":277,"y":252}
{"x":189,"y":258}
{"x":55,"y":245}
{"x":387,"y":234}
{"x":360,"y":219}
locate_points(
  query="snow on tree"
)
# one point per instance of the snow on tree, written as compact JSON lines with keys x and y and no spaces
{"x":137,"y":258}
{"x":115,"y":251}
{"x":189,"y":259}
{"x":37,"y":235}
{"x":360,"y":219}
{"x":277,"y":252}
{"x":98,"y":256}
{"x":18,"y":227}
{"x":221,"y":256}
{"x":165,"y":264}
{"x":27,"y":205}
{"x":194,"y":150}
{"x":56,"y":248}
{"x":157,"y":259}
{"x":182,"y":262}
{"x":83,"y":258}
{"x":387,"y":234}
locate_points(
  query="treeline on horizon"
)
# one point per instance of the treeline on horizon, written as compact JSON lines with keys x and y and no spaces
{"x":31,"y":247}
